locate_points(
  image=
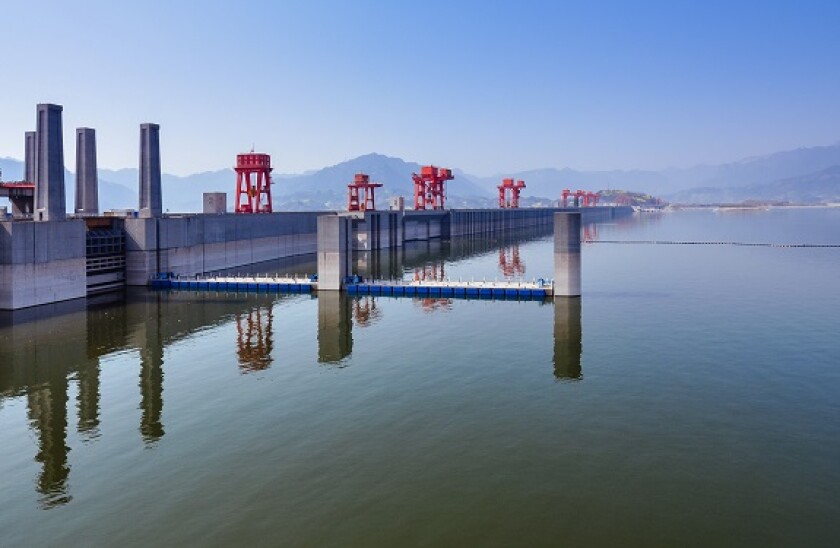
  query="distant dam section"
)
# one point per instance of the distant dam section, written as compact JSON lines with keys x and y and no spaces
{"x":52,"y":261}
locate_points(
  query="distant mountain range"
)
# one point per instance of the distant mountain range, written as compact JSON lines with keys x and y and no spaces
{"x":805,"y":175}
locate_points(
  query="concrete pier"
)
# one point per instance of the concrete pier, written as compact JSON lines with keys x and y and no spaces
{"x":29,"y":157}
{"x":567,"y":254}
{"x":87,"y":193}
{"x":335,"y":251}
{"x":151,"y":202}
{"x":49,"y":165}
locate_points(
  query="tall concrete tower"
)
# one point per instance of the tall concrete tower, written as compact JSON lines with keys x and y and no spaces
{"x":29,"y":158}
{"x":49,"y":165}
{"x":87,"y":193}
{"x":151,"y":203}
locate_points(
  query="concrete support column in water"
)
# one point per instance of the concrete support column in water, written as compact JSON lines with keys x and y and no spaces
{"x":335,"y":247}
{"x":567,"y":254}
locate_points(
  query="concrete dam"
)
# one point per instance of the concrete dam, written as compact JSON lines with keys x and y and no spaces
{"x":47,"y":256}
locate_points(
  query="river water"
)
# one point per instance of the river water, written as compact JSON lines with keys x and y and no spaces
{"x":690,"y":397}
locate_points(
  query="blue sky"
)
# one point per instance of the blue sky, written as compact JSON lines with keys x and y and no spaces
{"x":486,"y":86}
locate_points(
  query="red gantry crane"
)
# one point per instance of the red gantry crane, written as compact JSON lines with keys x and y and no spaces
{"x":253,"y":183}
{"x":429,"y":187}
{"x":515,"y":188}
{"x":582,"y":198}
{"x":360,"y":195}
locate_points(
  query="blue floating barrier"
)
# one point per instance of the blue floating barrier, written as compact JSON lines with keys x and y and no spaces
{"x":376,"y":290}
{"x":421,"y":290}
{"x":538,"y":293}
{"x":252,"y":287}
{"x":511,"y":293}
{"x":387,"y":290}
{"x":526,"y":293}
{"x":435,"y":292}
{"x":485,"y":291}
{"x":460,"y":291}
{"x":193,"y":285}
{"x":498,"y":292}
{"x":410,"y":290}
{"x":472,"y":292}
{"x":352,"y":289}
{"x":447,"y":292}
{"x":398,"y":290}
{"x":306,"y":288}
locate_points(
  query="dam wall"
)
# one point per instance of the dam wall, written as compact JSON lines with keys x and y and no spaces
{"x":194,"y":244}
{"x":41,"y":263}
{"x":54,"y":261}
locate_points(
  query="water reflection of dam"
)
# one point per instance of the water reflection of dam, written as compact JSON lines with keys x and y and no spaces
{"x":44,"y":350}
{"x":48,"y":354}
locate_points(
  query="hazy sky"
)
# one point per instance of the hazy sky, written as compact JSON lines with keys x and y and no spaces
{"x":486,"y":86}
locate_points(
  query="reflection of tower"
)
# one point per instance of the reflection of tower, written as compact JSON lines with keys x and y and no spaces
{"x":434,"y":272}
{"x":510,"y":262}
{"x":432,"y":304}
{"x":48,"y":414}
{"x":88,"y":398}
{"x":335,"y":324}
{"x":380,"y":264}
{"x":568,"y":335}
{"x":365,"y":311}
{"x":151,"y":378}
{"x":255,"y":340}
{"x":590,"y":232}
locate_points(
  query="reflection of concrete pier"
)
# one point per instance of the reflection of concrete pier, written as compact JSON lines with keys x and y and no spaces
{"x":567,"y":254}
{"x":335,"y":327}
{"x":568,"y":338}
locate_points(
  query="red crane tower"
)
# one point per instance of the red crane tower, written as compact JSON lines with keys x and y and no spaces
{"x":582,"y":198}
{"x":515,"y":188}
{"x":253,"y":195}
{"x":429,"y":187}
{"x":360,"y":195}
{"x":565,"y":194}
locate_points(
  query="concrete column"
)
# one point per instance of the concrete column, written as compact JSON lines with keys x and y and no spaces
{"x":568,"y":339}
{"x":29,"y":157}
{"x":151,"y":202}
{"x":335,"y":247}
{"x":567,"y":254}
{"x":87,"y":193}
{"x":49,"y":165}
